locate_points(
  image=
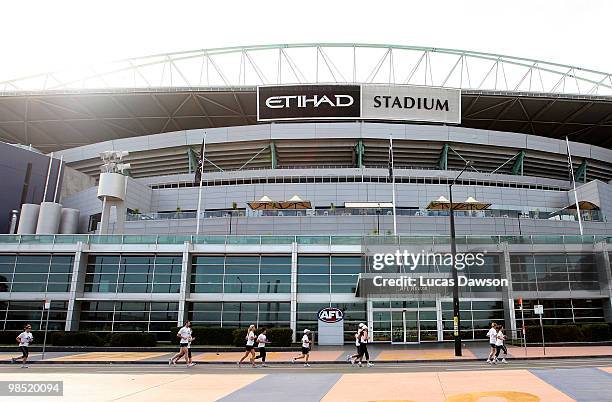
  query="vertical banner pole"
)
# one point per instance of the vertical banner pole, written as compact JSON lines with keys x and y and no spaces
{"x":48,"y":174}
{"x":200,"y":187}
{"x":392,"y":182}
{"x":571,"y":168}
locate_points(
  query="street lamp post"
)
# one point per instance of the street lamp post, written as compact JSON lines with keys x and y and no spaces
{"x":456,"y":314}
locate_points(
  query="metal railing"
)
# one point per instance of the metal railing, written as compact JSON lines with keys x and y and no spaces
{"x":314,"y":240}
{"x":591,"y":216}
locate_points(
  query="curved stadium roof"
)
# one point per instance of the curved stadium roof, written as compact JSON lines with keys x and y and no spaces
{"x":216,"y":88}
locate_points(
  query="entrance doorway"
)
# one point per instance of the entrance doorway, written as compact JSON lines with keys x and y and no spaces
{"x":413,"y":325}
{"x":405,"y":326}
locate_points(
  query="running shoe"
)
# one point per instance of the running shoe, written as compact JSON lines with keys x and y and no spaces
{"x":349,"y":358}
{"x":24,"y":366}
{"x":360,"y":364}
{"x":293,"y":360}
{"x":191,"y":365}
{"x":504,"y":361}
{"x":370,"y":364}
{"x":489,"y":361}
{"x":264,"y":365}
{"x":306,"y":365}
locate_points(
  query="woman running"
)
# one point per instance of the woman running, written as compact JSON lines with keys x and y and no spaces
{"x":250,"y":346}
{"x":185,"y":335}
{"x":492,"y":334}
{"x":306,"y":342}
{"x":500,"y":344}
{"x":190,"y":362}
{"x":262,"y":341}
{"x":353,"y":358}
{"x":24,"y":339}
{"x":365,"y":337}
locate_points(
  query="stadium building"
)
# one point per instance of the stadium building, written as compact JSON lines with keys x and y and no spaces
{"x":253,"y":185}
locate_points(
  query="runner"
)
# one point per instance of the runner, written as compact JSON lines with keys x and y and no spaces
{"x":24,"y":339}
{"x":492,"y":334}
{"x":365,"y":337}
{"x":305,"y":349}
{"x":353,"y":358}
{"x":185,"y":335}
{"x":189,"y":358}
{"x":262,"y":340}
{"x":250,"y":346}
{"x":500,"y":344}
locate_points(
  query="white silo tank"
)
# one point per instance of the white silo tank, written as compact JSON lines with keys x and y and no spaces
{"x":28,"y":219}
{"x":69,"y":221}
{"x":49,"y":218}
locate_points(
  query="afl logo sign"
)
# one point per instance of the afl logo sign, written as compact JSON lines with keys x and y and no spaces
{"x":331,"y":315}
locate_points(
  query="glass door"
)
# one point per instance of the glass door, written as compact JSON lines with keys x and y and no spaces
{"x":405,"y":326}
{"x":397,"y":327}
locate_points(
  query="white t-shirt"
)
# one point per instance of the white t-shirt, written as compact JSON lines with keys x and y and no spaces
{"x":25,"y":338}
{"x":250,"y":339}
{"x":357,"y":338}
{"x":261,"y":339}
{"x":305,"y":341}
{"x":500,"y":339}
{"x":185,"y":334}
{"x":492,"y":334}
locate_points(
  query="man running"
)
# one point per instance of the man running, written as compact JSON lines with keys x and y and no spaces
{"x":306,"y":342}
{"x":24,"y":339}
{"x":184,"y":334}
{"x":250,"y":346}
{"x":492,"y":334}
{"x":500,"y":345}
{"x":262,"y":340}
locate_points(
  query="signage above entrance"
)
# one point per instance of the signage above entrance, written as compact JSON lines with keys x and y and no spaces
{"x":356,"y":102}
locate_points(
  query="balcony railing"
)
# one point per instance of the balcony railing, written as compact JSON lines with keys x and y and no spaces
{"x":491,"y":213}
{"x":314,"y":240}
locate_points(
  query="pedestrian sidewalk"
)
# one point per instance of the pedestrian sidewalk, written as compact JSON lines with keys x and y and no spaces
{"x":329,"y":355}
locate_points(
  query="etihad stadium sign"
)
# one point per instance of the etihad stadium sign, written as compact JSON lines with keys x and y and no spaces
{"x":359,"y":102}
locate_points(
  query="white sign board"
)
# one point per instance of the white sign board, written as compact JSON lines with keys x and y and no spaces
{"x":47,"y":304}
{"x":411,"y":103}
{"x":538,"y":309}
{"x":331,"y":326}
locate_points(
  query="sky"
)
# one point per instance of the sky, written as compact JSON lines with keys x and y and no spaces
{"x":41,"y":36}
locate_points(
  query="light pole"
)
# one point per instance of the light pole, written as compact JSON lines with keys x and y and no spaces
{"x":456,"y":314}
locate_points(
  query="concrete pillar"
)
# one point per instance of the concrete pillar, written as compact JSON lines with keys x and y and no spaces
{"x":293,"y":314}
{"x":185,"y":284}
{"x":507,"y":292}
{"x":77,"y":285}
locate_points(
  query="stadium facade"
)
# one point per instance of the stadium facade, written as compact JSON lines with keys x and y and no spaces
{"x":296,"y":193}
